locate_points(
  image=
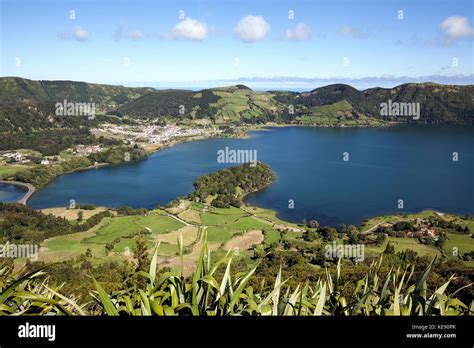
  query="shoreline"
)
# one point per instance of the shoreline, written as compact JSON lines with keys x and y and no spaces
{"x":158,"y":148}
{"x":30,"y":190}
{"x":155,"y":148}
{"x":245,"y":203}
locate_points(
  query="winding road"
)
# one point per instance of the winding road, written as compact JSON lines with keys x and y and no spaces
{"x":31,"y":189}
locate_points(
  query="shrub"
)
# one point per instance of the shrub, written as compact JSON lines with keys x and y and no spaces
{"x":204,"y":294}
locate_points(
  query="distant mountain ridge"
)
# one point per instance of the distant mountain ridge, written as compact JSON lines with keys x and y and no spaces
{"x":439,"y":104}
{"x":337,"y":104}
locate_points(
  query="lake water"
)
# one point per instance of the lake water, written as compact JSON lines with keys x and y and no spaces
{"x":409,"y":163}
{"x":11,"y":193}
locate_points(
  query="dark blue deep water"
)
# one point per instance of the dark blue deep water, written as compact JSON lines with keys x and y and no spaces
{"x":412,"y":163}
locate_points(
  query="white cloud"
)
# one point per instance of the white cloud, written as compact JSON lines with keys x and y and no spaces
{"x":190,"y":29}
{"x":80,"y":34}
{"x":352,"y":32}
{"x":252,"y":28}
{"x":135,"y":35}
{"x":300,"y":33}
{"x":456,"y":27}
{"x":77,"y":33}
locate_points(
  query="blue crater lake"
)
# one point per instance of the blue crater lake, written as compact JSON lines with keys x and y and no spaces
{"x":410,"y":163}
{"x":11,"y":193}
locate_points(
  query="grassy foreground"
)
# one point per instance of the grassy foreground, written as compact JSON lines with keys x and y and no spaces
{"x":206,"y":294}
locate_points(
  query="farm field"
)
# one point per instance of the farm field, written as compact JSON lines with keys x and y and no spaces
{"x":7,"y":170}
{"x":225,"y":229}
{"x":458,"y":244}
{"x":402,"y":244}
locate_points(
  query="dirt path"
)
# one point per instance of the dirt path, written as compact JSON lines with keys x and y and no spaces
{"x":189,"y":260}
{"x":276,"y":225}
{"x":179,"y":219}
{"x":373,"y":228}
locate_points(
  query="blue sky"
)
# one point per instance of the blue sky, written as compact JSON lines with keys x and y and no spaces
{"x":133,"y":42}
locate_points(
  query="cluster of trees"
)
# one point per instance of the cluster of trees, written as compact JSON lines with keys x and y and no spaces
{"x":167,"y":103}
{"x":35,"y":126}
{"x":205,"y":108}
{"x":126,"y":210}
{"x":315,"y":232}
{"x":446,"y":224}
{"x":91,"y":222}
{"x":40,"y":176}
{"x":224,"y":183}
{"x":31,"y":117}
{"x":118,"y":154}
{"x":469,"y":256}
{"x":326,"y":232}
{"x":302,"y":261}
{"x":400,"y":228}
{"x":86,"y":206}
{"x":48,"y":142}
{"x":20,"y":224}
{"x":404,"y":226}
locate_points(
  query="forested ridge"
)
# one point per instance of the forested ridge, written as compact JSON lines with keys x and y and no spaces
{"x":439,"y":104}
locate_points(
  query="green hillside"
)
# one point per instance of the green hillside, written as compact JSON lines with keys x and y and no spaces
{"x":439,"y":104}
{"x":235,"y":104}
{"x":331,"y":105}
{"x":340,"y":112}
{"x":16,"y":89}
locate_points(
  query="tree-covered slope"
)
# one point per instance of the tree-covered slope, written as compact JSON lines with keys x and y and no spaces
{"x":335,"y":104}
{"x":235,"y":104}
{"x":16,"y":89}
{"x":439,"y":104}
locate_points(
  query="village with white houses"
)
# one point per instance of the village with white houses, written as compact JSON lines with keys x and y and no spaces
{"x":27,"y":157}
{"x":142,"y":133}
{"x":24,"y":157}
{"x":152,"y":133}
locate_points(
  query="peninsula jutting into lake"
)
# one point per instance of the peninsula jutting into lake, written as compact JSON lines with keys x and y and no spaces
{"x":321,"y":183}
